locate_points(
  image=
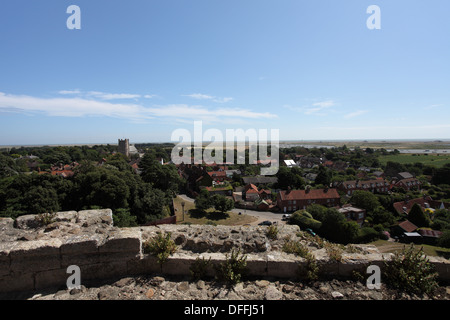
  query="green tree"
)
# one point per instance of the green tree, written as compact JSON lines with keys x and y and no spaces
{"x":203,"y":201}
{"x":365,"y":200}
{"x":336,"y":228}
{"x":222,"y":203}
{"x":123,"y":219}
{"x":418,"y":217}
{"x":323,"y":176}
{"x":304,"y":220}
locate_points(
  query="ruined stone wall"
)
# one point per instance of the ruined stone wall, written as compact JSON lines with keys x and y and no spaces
{"x":34,"y":256}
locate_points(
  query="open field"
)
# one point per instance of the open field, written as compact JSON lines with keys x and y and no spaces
{"x":376,"y":144}
{"x":385,"y":246}
{"x":191,"y":215}
{"x":431,"y":159}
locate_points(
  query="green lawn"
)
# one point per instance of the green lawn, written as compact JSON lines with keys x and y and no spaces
{"x":432,"y":159}
{"x":387,"y":246}
{"x":191,"y":215}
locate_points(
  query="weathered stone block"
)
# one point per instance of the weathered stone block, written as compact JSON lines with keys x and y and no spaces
{"x":282,"y":267}
{"x":104,"y":270}
{"x":123,"y":240}
{"x":66,"y":216}
{"x":38,"y":255}
{"x":81,"y":244}
{"x":79,"y":259}
{"x":52,"y":278}
{"x":36,"y":248}
{"x":178,"y":264}
{"x":146,"y":265}
{"x":257,"y":265}
{"x":24,"y":282}
{"x":27,"y":222}
{"x":92,"y":217}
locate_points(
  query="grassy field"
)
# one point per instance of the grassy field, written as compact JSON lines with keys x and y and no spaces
{"x":432,"y":159}
{"x":388,"y":246}
{"x":191,"y":215}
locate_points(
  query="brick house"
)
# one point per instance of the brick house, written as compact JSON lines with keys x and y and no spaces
{"x":407,"y":184}
{"x":376,"y":185}
{"x":292,"y":200}
{"x":353,"y":214}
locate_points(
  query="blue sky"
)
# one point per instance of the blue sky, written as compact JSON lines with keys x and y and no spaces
{"x":140,"y":69}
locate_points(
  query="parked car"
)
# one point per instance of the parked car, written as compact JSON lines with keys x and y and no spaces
{"x":265,"y":223}
{"x":310,"y":232}
{"x":285,"y":217}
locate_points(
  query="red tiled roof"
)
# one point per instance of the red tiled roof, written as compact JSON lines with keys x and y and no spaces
{"x":365,"y":183}
{"x":217,"y":174}
{"x":398,"y":206}
{"x":312,"y":194}
{"x":408,"y":226}
{"x":251,"y":188}
{"x":430,"y":233}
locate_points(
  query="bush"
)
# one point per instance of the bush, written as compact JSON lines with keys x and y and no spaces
{"x":162,"y":246}
{"x":304,"y":220}
{"x":232,"y":269}
{"x":45,"y":219}
{"x":444,"y":240}
{"x":199,"y":268}
{"x":411,"y":271}
{"x":272,"y":232}
{"x":295,"y":247}
{"x":367,"y":234}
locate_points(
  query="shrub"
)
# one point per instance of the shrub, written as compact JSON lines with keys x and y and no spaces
{"x":199,"y":268}
{"x":411,"y":271}
{"x":45,"y":219}
{"x":272,"y":232}
{"x":162,"y":246}
{"x":334,"y":251}
{"x":311,"y":270}
{"x":295,"y":247}
{"x":233,"y":268}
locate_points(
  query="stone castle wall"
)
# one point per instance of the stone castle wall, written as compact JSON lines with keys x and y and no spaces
{"x":34,"y":256}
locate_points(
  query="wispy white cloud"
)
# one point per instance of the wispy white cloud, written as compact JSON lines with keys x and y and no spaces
{"x":355,"y":114}
{"x":105,"y":95}
{"x":81,"y":107}
{"x":317,"y":108}
{"x":201,"y":96}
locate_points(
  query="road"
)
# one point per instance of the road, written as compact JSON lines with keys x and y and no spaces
{"x":260,"y":215}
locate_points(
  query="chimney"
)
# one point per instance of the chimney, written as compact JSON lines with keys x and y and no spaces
{"x":307,"y":189}
{"x":288,"y":190}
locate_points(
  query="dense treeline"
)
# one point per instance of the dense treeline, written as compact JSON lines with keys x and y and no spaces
{"x":95,"y":184}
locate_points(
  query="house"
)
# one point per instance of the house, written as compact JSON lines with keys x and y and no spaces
{"x":290,"y":163}
{"x":231,"y":173}
{"x":292,"y":200}
{"x":403,"y":227}
{"x":407,"y":184}
{"x":265,"y":194}
{"x":404,"y":175}
{"x":250,"y":193}
{"x":309,"y":162}
{"x":424,"y":202}
{"x":310,"y":176}
{"x":353,"y":214}
{"x":376,"y":185}
{"x":429,"y":236}
{"x":218,"y":176}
